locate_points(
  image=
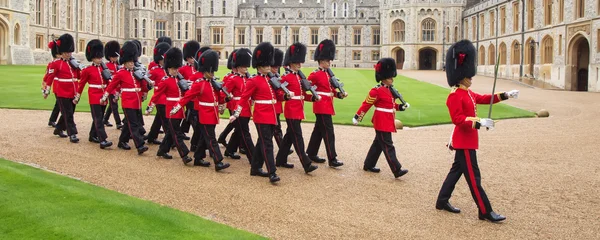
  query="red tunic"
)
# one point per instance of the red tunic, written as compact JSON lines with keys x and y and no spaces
{"x":207,"y":99}
{"x":230,"y":105}
{"x":45,"y":79}
{"x":96,"y":84}
{"x":187,"y":71}
{"x":294,"y":108}
{"x":320,"y":78}
{"x":157,"y":74}
{"x":462,"y":105}
{"x":385,"y":108}
{"x":131,"y":88}
{"x":194,"y":78}
{"x":152,"y":64}
{"x":169,"y":90}
{"x":236,"y":86}
{"x":64,"y":78}
{"x":279,"y":104}
{"x":112,"y":66}
{"x":259,"y":89}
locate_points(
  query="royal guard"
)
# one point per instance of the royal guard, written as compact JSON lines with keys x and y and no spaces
{"x":264,"y":115}
{"x":163,"y":39}
{"x":189,"y":52}
{"x":92,"y":76}
{"x":208,"y":100}
{"x":64,"y":75}
{"x":294,"y":110}
{"x":278,"y":134}
{"x":169,"y":93}
{"x":382,"y":97}
{"x":462,"y":105}
{"x":192,"y":115}
{"x":223,"y":136}
{"x":46,"y":89}
{"x":236,"y":85}
{"x":132,"y":92}
{"x":323,"y":109}
{"x":156,"y":74}
{"x":111,"y":53}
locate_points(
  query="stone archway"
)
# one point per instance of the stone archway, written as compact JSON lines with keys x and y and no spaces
{"x":4,"y":30}
{"x":399,"y":56}
{"x":578,"y":62}
{"x":427,"y":58}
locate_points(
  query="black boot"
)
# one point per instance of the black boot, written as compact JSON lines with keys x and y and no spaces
{"x":291,"y":151}
{"x":243,"y":151}
{"x":447,"y":207}
{"x":124,"y":146}
{"x":492,"y":217}
{"x":73,"y":138}
{"x":164,"y":155}
{"x":317,"y":159}
{"x":193,"y":148}
{"x":373,"y":169}
{"x":154,"y":141}
{"x":186,"y":160}
{"x":104,"y":144}
{"x":185,"y":137}
{"x":258,"y":172}
{"x":232,"y":155}
{"x":220,"y":166}
{"x":222,"y":142}
{"x":94,"y":139}
{"x":274,"y":178}
{"x":119,"y":126}
{"x":285,"y":165}
{"x":108,"y":124}
{"x":400,"y":173}
{"x":310,"y":168}
{"x":335,"y":163}
{"x":201,"y":162}
{"x":59,"y":133}
{"x":51,"y":124}
{"x":142,"y":149}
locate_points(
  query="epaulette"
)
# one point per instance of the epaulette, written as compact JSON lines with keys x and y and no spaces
{"x":453,"y":90}
{"x":286,"y":73}
{"x":377,"y":86}
{"x":227,"y":74}
{"x":165,"y":78}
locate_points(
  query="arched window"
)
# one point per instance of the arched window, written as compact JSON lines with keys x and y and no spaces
{"x":548,"y":12}
{"x":334,"y":9}
{"x":144,"y":28}
{"x":447,"y":35}
{"x":502,"y":53}
{"x":178,"y":30}
{"x":428,"y":30}
{"x":187,"y":29}
{"x":456,"y":34}
{"x":398,"y":30}
{"x":187,"y":6}
{"x":212,"y":7}
{"x":144,"y":3}
{"x":528,"y":49}
{"x":299,"y":15}
{"x":362,"y":15}
{"x":345,"y":9}
{"x":135,"y":28}
{"x":492,"y":55}
{"x":481,"y":55}
{"x":179,"y":5}
{"x":54,"y":13}
{"x":17,"y":34}
{"x":283,"y":16}
{"x":547,"y":50}
{"x":515,"y":55}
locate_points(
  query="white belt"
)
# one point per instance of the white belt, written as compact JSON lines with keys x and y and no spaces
{"x":237,"y":98}
{"x":208,"y":104}
{"x":265,"y":101}
{"x":174,"y":99}
{"x":131,"y":89}
{"x":297,"y":98}
{"x":65,"y":79}
{"x":97,"y":86}
{"x":387,"y":110}
{"x":329,"y":94}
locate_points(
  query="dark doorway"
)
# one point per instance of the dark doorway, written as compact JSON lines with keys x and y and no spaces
{"x":579,"y":59}
{"x":400,"y":58}
{"x":427,"y":59}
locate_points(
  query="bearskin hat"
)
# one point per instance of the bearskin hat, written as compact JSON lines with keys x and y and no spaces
{"x":263,"y":55}
{"x":385,"y":68}
{"x":278,"y":57}
{"x":173,"y":58}
{"x":128,"y":53}
{"x":190,"y":48}
{"x":53,"y":48}
{"x":325,"y":50}
{"x":241,"y":58}
{"x":460,"y":62}
{"x":230,"y":59}
{"x":139,"y":47}
{"x":94,"y":49}
{"x":208,"y":61}
{"x":165,"y":40}
{"x":65,"y":43}
{"x":111,"y":49}
{"x":200,"y":51}
{"x":295,"y":54}
{"x":159,"y":50}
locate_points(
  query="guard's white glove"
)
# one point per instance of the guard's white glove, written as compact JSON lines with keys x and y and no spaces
{"x":354,"y":121}
{"x":221,"y":108}
{"x":232,"y":118}
{"x":486,"y":122}
{"x":104,"y":97}
{"x":175,"y":109}
{"x":116,"y":97}
{"x":405,"y":106}
{"x":513,"y":94}
{"x":144,"y":97}
{"x":149,"y":109}
{"x":76,"y":99}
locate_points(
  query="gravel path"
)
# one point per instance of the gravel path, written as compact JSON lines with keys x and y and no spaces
{"x":541,"y":173}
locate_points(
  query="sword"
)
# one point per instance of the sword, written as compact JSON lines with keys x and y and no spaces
{"x":494,"y":87}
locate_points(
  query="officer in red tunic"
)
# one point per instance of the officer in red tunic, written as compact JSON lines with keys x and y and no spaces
{"x":294,"y":110}
{"x":278,"y":60}
{"x":156,"y":74}
{"x":163,"y":39}
{"x":223,"y":136}
{"x":323,"y":109}
{"x":65,"y":77}
{"x":131,"y":98}
{"x":111,"y":53}
{"x":191,"y":113}
{"x":462,"y":105}
{"x":208,"y":100}
{"x":383,"y":118}
{"x":46,"y":89}
{"x":169,"y":93}
{"x":237,"y":86}
{"x":91,"y":75}
{"x":264,"y":115}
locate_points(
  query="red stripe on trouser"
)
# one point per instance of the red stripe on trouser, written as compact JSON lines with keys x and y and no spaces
{"x":129,"y":125}
{"x":263,"y":148}
{"x":387,"y":157}
{"x":174,"y":136}
{"x":210,"y":144}
{"x":473,"y":183}
{"x":62,"y":113}
{"x":94,"y":121}
{"x":248,"y":152}
{"x":330,"y":157}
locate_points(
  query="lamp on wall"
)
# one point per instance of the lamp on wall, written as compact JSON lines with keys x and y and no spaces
{"x":532,"y":42}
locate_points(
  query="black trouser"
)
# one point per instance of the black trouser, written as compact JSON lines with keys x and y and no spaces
{"x":263,"y":152}
{"x":132,"y":127}
{"x":141,"y":118}
{"x":97,"y":129}
{"x":323,"y":131}
{"x":209,"y":141}
{"x":55,"y":111}
{"x":185,"y":125}
{"x":241,"y":138}
{"x":278,"y":133}
{"x":293,"y":135}
{"x":157,"y":123}
{"x":114,"y":109}
{"x":194,"y":122}
{"x":383,"y":143}
{"x":173,"y":135}
{"x":227,"y":130}
{"x":66,"y":120}
{"x":465,"y":162}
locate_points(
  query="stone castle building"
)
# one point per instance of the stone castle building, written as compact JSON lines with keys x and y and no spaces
{"x":547,"y":42}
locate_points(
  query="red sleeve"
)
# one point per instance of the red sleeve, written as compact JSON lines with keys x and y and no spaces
{"x":459,"y":119}
{"x":144,"y":86}
{"x":51,"y":73}
{"x":112,"y":86}
{"x":46,"y":73}
{"x":160,"y":90}
{"x":250,"y":88}
{"x":366,"y":105}
{"x":193,"y":92}
{"x":486,"y":98}
{"x":84,"y":79}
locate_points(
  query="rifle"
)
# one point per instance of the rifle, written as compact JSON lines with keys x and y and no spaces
{"x":397,"y":95}
{"x":307,"y":87}
{"x":276,"y":83}
{"x":140,"y":73}
{"x":335,"y":82}
{"x":106,"y":74}
{"x":494,"y":87}
{"x":219,"y":87}
{"x":74,"y":63}
{"x":182,"y":82}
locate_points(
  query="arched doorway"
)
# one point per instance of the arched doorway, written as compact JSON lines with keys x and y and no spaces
{"x":427,"y":59}
{"x":579,"y":60}
{"x":3,"y":41}
{"x":399,"y":55}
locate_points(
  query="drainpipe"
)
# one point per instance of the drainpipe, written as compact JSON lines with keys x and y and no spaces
{"x":522,"y":38}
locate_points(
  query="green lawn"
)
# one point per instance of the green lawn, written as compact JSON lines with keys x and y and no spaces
{"x":20,"y":88}
{"x":35,"y":204}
